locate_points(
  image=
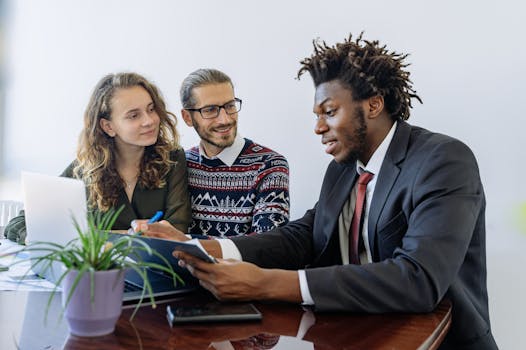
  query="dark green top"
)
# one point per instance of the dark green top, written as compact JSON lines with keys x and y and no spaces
{"x":173,"y":200}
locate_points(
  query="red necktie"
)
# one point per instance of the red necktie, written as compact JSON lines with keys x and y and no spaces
{"x":356,"y":223}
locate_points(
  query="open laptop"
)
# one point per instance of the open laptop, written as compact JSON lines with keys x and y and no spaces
{"x":50,"y":202}
{"x":161,"y":282}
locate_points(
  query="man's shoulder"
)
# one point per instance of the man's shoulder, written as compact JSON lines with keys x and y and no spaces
{"x":426,"y":139}
{"x":258,"y":152}
{"x":425,"y":144}
{"x":192,"y":154}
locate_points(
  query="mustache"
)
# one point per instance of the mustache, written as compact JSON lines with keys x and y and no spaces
{"x":224,"y":125}
{"x":328,"y":138}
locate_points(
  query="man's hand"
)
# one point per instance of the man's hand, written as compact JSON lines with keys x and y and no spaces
{"x":236,"y":280}
{"x":162,"y":229}
{"x":227,"y":280}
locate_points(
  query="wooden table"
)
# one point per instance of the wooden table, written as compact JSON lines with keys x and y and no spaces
{"x":283,"y":326}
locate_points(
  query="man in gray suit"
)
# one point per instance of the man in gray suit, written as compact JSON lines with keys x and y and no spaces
{"x":423,"y":221}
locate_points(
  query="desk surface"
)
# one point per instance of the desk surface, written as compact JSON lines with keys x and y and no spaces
{"x":284,"y":326}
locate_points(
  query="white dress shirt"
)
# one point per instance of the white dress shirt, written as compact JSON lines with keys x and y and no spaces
{"x":229,"y":154}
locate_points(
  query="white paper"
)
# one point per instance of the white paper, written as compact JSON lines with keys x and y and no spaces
{"x":19,"y":276}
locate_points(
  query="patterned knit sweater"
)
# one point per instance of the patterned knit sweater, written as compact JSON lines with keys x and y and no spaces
{"x":250,"y":196}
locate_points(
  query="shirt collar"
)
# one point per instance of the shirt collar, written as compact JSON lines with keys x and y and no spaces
{"x":229,"y":154}
{"x":374,"y":164}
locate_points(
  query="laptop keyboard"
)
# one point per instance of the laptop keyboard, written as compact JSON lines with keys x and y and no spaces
{"x":130,"y":287}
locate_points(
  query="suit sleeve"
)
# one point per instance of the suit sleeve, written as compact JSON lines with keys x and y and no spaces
{"x":444,"y":207}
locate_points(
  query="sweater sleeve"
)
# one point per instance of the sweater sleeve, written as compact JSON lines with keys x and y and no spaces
{"x":16,"y":229}
{"x":272,"y":203}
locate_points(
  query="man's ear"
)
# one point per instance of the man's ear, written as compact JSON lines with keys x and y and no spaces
{"x":105,"y":124}
{"x":375,"y":106}
{"x":187,"y":117}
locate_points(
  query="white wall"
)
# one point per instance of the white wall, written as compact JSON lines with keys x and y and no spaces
{"x":467,"y":64}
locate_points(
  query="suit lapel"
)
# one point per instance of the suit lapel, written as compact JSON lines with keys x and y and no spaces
{"x":389,"y":172}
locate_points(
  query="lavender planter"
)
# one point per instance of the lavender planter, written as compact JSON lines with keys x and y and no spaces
{"x":87,"y":319}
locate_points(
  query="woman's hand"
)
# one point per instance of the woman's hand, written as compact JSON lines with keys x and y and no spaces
{"x":162,"y":229}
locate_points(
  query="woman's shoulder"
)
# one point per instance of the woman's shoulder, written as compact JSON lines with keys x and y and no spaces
{"x":69,"y":171}
{"x":178,"y":168}
{"x":177,"y":155}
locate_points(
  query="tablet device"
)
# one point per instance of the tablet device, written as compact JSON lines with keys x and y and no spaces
{"x":214,"y":311}
{"x":166,"y":247}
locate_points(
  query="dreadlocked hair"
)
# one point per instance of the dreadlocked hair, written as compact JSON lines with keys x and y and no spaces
{"x":367,"y":69}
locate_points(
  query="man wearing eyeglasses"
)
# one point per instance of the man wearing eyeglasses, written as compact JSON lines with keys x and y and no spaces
{"x":236,"y":186}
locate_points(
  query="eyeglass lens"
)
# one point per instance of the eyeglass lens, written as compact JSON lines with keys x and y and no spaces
{"x":213,"y":111}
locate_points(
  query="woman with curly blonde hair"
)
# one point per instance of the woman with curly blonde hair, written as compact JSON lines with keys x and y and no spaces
{"x":128,"y":154}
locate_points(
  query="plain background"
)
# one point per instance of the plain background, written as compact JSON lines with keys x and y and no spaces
{"x":467,"y":63}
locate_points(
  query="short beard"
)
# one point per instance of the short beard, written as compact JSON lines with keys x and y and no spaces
{"x":359,"y":136}
{"x":203,"y":137}
{"x":222,"y":145}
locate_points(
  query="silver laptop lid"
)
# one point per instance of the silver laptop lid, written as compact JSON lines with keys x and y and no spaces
{"x":50,"y":203}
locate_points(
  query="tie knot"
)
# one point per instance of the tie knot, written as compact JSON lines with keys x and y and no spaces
{"x":365,"y":177}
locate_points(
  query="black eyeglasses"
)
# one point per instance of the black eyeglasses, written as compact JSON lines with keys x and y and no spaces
{"x":212,"y":111}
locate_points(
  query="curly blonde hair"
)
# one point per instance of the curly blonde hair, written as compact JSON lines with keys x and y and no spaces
{"x":95,"y":163}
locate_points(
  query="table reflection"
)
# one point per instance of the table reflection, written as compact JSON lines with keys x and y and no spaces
{"x":284,"y":326}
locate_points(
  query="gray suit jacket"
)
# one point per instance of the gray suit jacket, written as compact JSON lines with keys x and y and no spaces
{"x":426,"y":232}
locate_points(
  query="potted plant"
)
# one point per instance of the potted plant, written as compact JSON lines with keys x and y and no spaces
{"x":92,"y":277}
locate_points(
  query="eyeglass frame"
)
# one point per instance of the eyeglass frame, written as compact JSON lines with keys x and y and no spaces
{"x":218,"y":108}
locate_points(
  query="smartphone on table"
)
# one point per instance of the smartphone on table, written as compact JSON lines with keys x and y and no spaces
{"x":212,"y":311}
